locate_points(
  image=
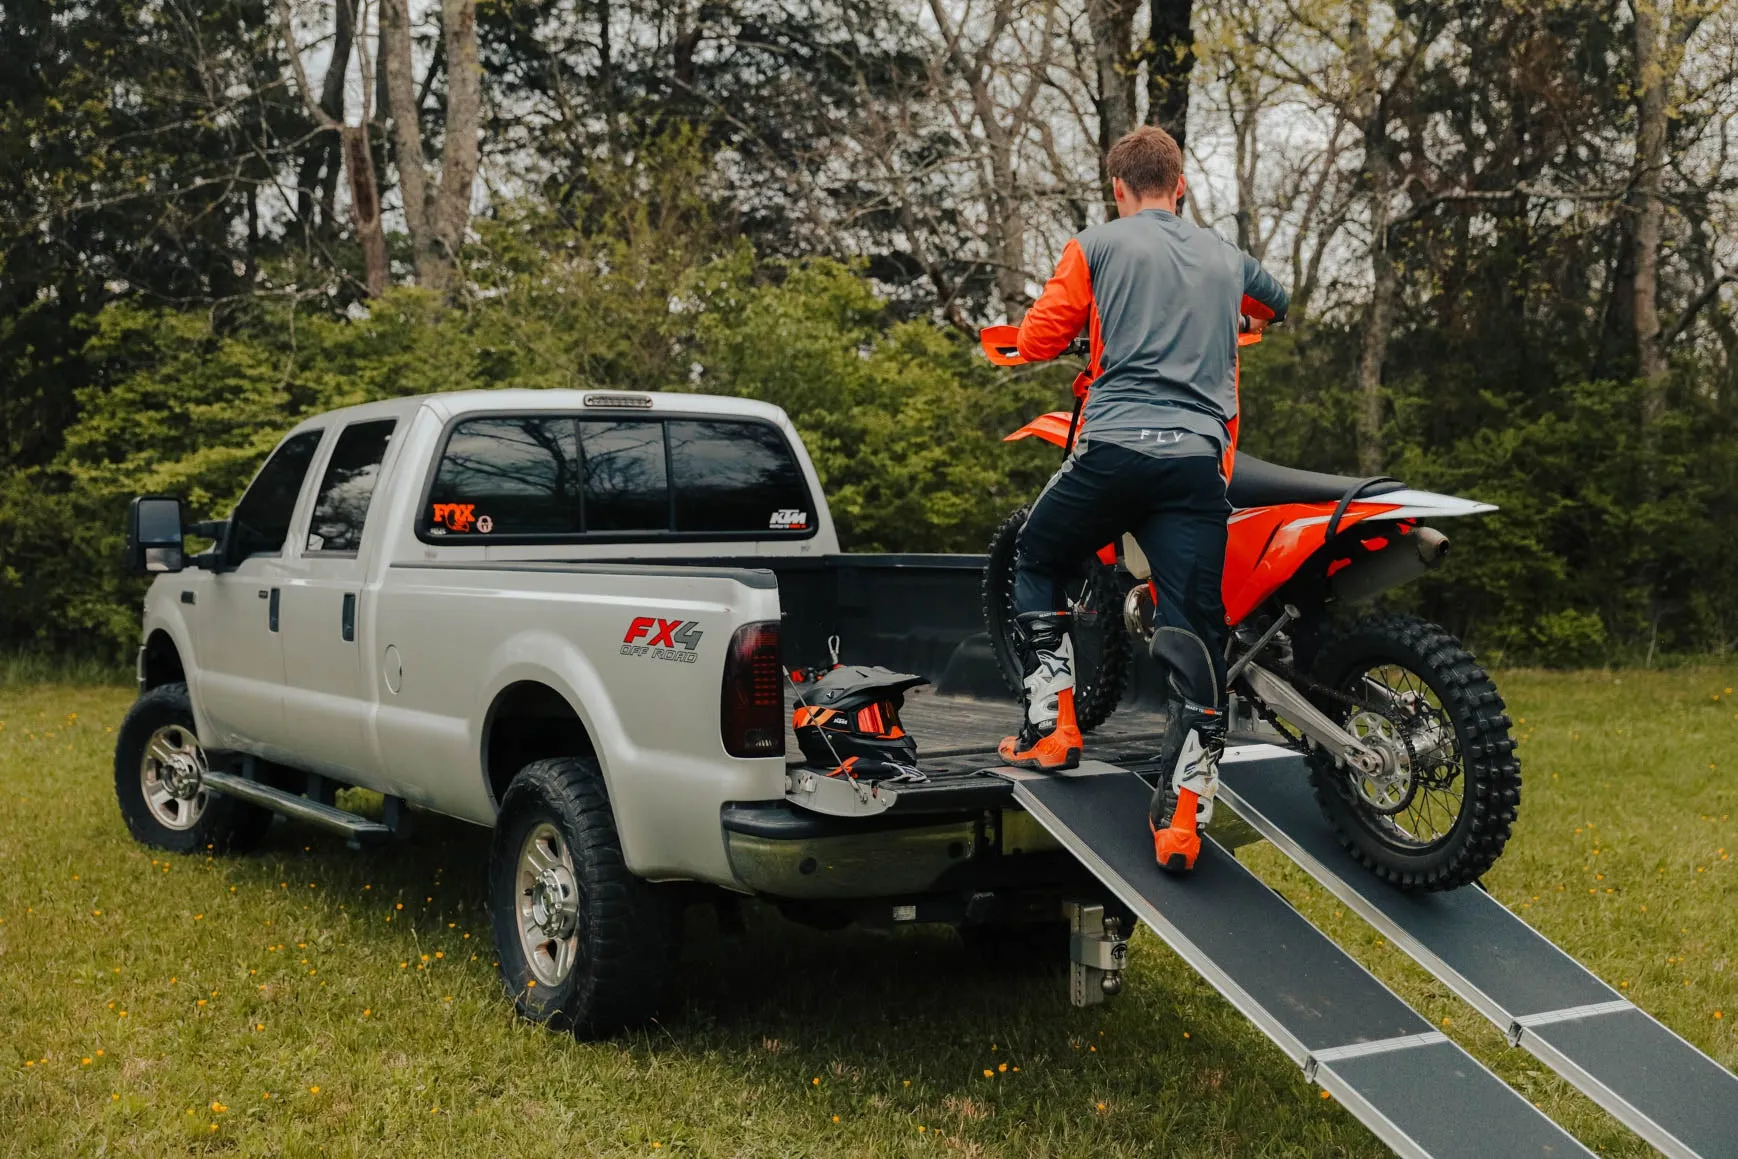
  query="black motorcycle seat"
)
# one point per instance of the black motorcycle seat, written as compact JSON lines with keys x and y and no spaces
{"x":1258,"y":483}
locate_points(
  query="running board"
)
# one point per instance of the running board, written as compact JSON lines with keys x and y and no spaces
{"x":1665,"y":1090}
{"x":1402,"y":1078}
{"x":298,"y":808}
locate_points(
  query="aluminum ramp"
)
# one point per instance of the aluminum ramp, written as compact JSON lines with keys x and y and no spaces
{"x":1661,"y":1087}
{"x":1417,"y":1091}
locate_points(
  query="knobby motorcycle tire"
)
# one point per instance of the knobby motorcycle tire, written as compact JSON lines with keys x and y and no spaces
{"x":1098,"y":684}
{"x":1491,"y":776}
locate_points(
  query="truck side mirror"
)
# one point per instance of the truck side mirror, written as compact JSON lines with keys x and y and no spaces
{"x":154,"y":535}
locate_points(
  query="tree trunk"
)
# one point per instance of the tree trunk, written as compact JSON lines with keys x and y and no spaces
{"x":1171,"y":60}
{"x":1112,"y":23}
{"x":452,"y":213}
{"x":1384,"y":277}
{"x":365,"y":206}
{"x":324,"y":152}
{"x":437,"y":211}
{"x":1649,"y":211}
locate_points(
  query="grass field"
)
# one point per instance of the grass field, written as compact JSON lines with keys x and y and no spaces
{"x":308,"y":1000}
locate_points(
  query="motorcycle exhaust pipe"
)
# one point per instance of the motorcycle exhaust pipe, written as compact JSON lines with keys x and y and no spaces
{"x":1372,"y":573}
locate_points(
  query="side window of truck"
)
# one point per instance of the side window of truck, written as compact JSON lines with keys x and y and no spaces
{"x":341,"y":507}
{"x":507,"y":476}
{"x":261,"y":522}
{"x":736,"y":477}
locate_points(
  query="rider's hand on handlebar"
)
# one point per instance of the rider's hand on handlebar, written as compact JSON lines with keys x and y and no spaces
{"x":1249,"y":324}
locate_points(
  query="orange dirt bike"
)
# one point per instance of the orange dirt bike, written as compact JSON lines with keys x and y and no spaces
{"x":1407,"y":741}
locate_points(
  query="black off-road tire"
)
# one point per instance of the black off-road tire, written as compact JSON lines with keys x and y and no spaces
{"x":627,"y":930}
{"x":1098,"y":687}
{"x":225,"y":826}
{"x":1491,"y":776}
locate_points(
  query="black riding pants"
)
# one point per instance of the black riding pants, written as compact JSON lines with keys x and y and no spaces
{"x":1176,"y":508}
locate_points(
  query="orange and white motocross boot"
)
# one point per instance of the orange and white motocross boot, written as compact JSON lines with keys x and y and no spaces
{"x":1183,"y":801}
{"x":1049,"y":740}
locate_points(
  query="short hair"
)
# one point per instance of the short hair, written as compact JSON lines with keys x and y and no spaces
{"x":1148,"y":160}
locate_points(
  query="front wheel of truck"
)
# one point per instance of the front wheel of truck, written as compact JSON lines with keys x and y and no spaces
{"x":583,"y":943}
{"x":159,"y":782}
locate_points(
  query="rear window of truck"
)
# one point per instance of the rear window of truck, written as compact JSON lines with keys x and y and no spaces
{"x":554,"y":478}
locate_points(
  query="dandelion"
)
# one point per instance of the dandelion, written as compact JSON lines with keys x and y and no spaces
{"x":835,"y":1118}
{"x":259,"y":1026}
{"x":1101,"y":1107}
{"x":367,"y":1012}
{"x":99,"y":1053}
{"x":313,"y":1090}
{"x":816,"y":1081}
{"x":1003,"y":1068}
{"x":115,"y":1098}
{"x":440,"y":954}
{"x":907,"y":1082}
{"x":988,"y":1072}
{"x":218,"y":1108}
{"x":1326,"y":1095}
{"x":400,"y":905}
{"x":84,"y":1062}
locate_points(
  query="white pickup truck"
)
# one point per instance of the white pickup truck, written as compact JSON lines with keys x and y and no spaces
{"x":560,"y":614}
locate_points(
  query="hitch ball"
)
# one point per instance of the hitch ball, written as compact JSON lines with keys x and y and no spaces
{"x":1111,"y":984}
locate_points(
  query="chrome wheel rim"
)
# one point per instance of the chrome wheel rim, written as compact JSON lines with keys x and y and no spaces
{"x":548,"y":899}
{"x":172,"y":777}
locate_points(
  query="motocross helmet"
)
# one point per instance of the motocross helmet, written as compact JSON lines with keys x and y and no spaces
{"x":853,"y":711}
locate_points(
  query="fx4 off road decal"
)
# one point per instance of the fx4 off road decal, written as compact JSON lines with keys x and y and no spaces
{"x":677,"y":640}
{"x":789,"y":519}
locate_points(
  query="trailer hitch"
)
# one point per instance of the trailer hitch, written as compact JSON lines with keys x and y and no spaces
{"x":1097,"y":952}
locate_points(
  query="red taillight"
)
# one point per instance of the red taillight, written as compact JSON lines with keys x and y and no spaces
{"x":752,"y":716}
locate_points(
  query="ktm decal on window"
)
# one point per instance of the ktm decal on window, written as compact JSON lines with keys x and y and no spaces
{"x":789,"y":519}
{"x":461,"y":517}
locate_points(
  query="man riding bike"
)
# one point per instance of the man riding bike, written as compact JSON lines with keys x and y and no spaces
{"x":1163,"y":301}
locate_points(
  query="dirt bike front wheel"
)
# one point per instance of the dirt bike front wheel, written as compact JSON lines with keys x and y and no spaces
{"x":1438,"y":813}
{"x":1102,"y":653}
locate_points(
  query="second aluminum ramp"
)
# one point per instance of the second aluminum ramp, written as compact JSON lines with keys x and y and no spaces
{"x":1417,"y":1091}
{"x":1661,"y":1087}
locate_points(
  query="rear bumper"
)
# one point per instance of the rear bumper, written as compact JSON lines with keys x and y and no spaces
{"x":781,"y":851}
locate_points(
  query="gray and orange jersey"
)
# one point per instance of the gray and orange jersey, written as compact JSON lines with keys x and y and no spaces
{"x":1161,"y":298}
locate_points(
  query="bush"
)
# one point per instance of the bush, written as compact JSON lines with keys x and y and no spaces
{"x":903,"y":420}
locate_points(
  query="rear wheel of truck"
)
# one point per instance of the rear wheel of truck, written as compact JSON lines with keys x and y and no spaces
{"x":159,"y":782}
{"x":583,"y":944}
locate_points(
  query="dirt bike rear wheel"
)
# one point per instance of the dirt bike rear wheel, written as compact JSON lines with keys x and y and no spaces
{"x":1102,"y":654}
{"x":1439,"y":818}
